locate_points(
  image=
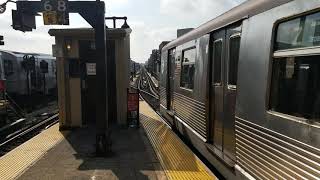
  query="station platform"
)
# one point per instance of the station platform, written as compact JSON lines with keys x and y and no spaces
{"x":150,"y":152}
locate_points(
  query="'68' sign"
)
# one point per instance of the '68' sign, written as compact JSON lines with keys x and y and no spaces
{"x":55,"y":12}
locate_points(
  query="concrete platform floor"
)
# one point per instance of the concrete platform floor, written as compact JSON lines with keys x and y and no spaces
{"x":73,"y":158}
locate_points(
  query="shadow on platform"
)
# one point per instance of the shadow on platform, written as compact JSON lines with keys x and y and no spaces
{"x":133,"y":155}
{"x":74,"y":158}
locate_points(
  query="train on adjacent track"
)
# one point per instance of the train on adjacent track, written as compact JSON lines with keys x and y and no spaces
{"x":30,"y":81}
{"x":244,"y":89}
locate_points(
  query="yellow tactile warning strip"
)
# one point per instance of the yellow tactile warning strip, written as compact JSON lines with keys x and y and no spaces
{"x":177,"y":160}
{"x":15,"y":162}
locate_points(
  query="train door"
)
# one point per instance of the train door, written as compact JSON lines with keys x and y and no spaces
{"x":170,"y":79}
{"x":225,"y":56}
{"x":88,"y":82}
{"x":217,"y":88}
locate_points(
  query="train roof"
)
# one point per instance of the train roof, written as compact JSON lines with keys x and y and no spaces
{"x":244,"y":10}
{"x":21,"y":54}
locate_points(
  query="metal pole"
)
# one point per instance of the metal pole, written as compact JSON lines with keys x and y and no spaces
{"x":102,"y":109}
{"x":134,"y":69}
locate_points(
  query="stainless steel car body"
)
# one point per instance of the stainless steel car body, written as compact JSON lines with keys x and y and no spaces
{"x":16,"y":79}
{"x":266,"y":144}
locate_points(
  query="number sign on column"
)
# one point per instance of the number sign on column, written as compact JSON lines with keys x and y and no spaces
{"x":55,"y":12}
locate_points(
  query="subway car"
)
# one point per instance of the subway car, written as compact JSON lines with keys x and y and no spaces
{"x":244,"y":89}
{"x":3,"y":104}
{"x":22,"y":85}
{"x":2,"y":79}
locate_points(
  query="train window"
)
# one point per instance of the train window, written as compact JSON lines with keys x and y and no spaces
{"x":299,"y":33}
{"x":188,"y":68}
{"x":8,"y":67}
{"x":217,"y":58}
{"x":234,"y":49}
{"x":296,"y":86}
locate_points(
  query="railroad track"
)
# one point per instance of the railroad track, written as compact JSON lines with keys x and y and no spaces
{"x":148,"y":90}
{"x":153,"y":89}
{"x":18,"y":137}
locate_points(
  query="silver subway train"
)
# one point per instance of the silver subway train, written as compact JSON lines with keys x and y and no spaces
{"x":244,"y":89}
{"x":19,"y":82}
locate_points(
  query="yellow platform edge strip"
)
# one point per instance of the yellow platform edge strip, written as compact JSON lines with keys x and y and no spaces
{"x":17,"y":161}
{"x":176,"y":158}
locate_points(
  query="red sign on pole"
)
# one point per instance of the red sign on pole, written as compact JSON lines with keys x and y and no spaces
{"x":133,"y":108}
{"x":133,"y":101}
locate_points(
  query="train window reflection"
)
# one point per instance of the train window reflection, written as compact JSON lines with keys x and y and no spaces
{"x":295,"y":87}
{"x":233,"y":60}
{"x":188,"y":68}
{"x":217,"y":49}
{"x":298,"y":33}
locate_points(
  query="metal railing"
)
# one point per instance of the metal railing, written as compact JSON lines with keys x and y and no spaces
{"x":114,"y":18}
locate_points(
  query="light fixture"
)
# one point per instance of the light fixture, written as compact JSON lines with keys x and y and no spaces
{"x":125,"y":24}
{"x":114,"y":18}
{"x":68,"y":44}
{"x":3,"y":8}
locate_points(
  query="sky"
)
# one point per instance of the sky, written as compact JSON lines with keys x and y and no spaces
{"x":151,"y":21}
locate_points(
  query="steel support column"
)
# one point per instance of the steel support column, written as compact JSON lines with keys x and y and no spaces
{"x":103,"y":134}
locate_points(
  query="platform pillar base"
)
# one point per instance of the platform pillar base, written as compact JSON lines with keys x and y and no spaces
{"x":103,"y":145}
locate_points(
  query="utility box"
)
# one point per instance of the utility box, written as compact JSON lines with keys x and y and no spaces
{"x":76,"y":75}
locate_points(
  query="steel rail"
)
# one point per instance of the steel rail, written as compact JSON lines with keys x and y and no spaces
{"x":52,"y":120}
{"x":146,"y":93}
{"x":153,"y":86}
{"x":143,"y":91}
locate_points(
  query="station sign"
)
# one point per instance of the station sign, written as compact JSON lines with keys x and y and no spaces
{"x":55,"y":12}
